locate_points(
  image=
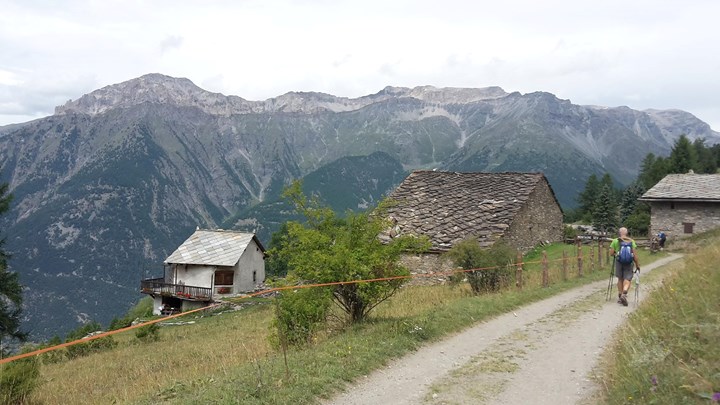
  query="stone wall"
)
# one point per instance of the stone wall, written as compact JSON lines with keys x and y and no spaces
{"x":672,"y":217}
{"x":427,"y":263}
{"x":540,"y":220}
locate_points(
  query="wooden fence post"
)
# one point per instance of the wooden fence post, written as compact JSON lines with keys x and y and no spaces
{"x":607,"y":254}
{"x":518,"y":271}
{"x":545,"y":278}
{"x":592,"y":258}
{"x":564,"y":265}
{"x":600,"y":249}
{"x":580,"y":261}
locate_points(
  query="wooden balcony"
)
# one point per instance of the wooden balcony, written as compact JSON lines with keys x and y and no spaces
{"x":158,"y":286}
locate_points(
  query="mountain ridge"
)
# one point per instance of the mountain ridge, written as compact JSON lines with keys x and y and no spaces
{"x":113,"y":182}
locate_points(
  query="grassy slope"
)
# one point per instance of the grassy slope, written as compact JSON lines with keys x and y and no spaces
{"x":227,"y":358}
{"x":669,"y":353}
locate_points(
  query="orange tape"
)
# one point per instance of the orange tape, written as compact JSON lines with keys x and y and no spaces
{"x":255,"y":294}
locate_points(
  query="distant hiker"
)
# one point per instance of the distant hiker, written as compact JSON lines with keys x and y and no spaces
{"x":661,"y":239}
{"x":624,"y":250}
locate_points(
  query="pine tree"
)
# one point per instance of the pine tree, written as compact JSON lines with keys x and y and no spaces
{"x":683,"y":157}
{"x":586,"y":199}
{"x":10,"y":289}
{"x":629,"y":200}
{"x":706,"y":160}
{"x":605,"y":214}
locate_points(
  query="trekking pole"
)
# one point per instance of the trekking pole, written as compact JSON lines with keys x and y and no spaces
{"x":637,"y":287}
{"x":612,"y":273}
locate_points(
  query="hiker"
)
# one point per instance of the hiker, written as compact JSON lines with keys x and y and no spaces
{"x":623,"y":249}
{"x":661,"y":239}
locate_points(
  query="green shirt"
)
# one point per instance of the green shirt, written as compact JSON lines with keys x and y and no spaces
{"x":615,"y":244}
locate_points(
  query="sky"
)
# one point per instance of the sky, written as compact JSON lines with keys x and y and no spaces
{"x":642,"y":54}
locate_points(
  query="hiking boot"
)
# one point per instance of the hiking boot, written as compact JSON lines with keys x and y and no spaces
{"x":623,"y":300}
{"x":619,"y":301}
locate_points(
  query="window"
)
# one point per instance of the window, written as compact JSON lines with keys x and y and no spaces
{"x":224,"y":277}
{"x":254,"y":276}
{"x":688,"y":227}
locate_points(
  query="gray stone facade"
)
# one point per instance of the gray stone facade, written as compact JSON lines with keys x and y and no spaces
{"x":540,"y":220}
{"x":684,"y":204}
{"x":680,"y":219}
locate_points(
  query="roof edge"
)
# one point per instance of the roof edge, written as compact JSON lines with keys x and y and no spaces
{"x":660,"y":199}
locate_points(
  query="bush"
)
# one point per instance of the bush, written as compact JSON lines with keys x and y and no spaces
{"x":148,"y":333}
{"x":638,"y":223}
{"x":83,"y":349}
{"x":54,"y":356}
{"x":18,"y":380}
{"x":469,"y":255}
{"x":142,"y":309}
{"x":569,"y":232}
{"x":299,"y":314}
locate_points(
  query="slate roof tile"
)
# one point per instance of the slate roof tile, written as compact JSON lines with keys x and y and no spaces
{"x":450,"y":206}
{"x":212,"y":248}
{"x":685,"y":187}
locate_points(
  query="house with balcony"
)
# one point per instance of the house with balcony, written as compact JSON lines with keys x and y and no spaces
{"x":209,"y":265}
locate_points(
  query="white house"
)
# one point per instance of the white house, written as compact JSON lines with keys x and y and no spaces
{"x":210,"y":264}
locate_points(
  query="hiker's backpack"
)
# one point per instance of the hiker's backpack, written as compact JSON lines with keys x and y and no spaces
{"x":625,"y":254}
{"x":661,"y":235}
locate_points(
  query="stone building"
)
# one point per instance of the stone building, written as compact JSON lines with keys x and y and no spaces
{"x":447,"y":207}
{"x":684,"y":204}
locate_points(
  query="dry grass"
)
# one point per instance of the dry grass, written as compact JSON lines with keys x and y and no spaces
{"x":668,"y":353}
{"x":134,"y":370}
{"x":219,"y":354}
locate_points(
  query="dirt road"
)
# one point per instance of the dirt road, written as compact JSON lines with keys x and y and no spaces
{"x":542,"y":353}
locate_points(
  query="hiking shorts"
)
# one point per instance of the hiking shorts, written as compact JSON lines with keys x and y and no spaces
{"x":624,"y":271}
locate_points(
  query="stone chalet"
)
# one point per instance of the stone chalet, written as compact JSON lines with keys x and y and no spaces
{"x":684,"y":204}
{"x":447,"y":207}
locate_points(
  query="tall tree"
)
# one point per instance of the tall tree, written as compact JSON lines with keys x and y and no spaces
{"x":652,"y":170}
{"x":10,"y":289}
{"x":327,"y":249}
{"x":706,"y":160}
{"x":605,"y":213}
{"x":629,"y":200}
{"x":683,"y":157}
{"x":586,"y":199}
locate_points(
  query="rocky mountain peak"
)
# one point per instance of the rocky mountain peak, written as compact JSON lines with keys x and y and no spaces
{"x":153,"y":88}
{"x":445,"y":95}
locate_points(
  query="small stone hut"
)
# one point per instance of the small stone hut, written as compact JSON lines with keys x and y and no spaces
{"x":684,"y":204}
{"x":447,"y":207}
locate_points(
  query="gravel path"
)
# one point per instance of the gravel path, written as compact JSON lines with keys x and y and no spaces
{"x":542,"y":353}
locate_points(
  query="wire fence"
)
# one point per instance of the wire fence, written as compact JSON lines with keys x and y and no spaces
{"x":527,"y":275}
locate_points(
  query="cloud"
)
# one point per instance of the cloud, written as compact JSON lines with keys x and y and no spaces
{"x":642,"y":53}
{"x":171,"y":42}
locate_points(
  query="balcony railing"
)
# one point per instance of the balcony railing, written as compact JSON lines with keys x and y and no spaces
{"x":187,"y":292}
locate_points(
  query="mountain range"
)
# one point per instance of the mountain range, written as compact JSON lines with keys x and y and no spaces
{"x":111,"y":183}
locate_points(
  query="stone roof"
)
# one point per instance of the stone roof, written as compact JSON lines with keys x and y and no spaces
{"x":685,"y":187}
{"x":212,"y":248}
{"x":450,"y":206}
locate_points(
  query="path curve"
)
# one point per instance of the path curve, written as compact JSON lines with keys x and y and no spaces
{"x":542,"y":353}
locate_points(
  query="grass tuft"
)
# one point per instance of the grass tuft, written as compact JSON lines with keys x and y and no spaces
{"x":669,"y":350}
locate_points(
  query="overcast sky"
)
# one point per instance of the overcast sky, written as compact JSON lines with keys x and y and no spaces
{"x":643,"y":54}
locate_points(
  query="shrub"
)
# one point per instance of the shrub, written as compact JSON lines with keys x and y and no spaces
{"x":148,"y":333}
{"x":18,"y":380}
{"x":638,"y":223}
{"x":54,"y":356}
{"x":569,"y":232}
{"x":96,"y":345}
{"x":469,"y":255}
{"x":299,"y":314}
